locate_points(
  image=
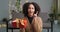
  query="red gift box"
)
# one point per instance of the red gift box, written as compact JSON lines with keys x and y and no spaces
{"x":14,"y":25}
{"x":24,"y":23}
{"x":19,"y":23}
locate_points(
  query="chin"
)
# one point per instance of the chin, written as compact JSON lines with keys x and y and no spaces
{"x":31,"y":15}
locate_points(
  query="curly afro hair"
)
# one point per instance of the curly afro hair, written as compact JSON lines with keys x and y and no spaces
{"x":26,"y":5}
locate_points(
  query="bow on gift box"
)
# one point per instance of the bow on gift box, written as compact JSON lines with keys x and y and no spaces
{"x":19,"y":23}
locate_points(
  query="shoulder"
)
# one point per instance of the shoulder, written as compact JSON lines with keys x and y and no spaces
{"x":39,"y":18}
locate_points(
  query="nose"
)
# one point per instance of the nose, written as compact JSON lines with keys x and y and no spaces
{"x":31,"y":10}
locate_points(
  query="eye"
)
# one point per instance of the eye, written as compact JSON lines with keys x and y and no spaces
{"x":29,"y":7}
{"x":32,"y":8}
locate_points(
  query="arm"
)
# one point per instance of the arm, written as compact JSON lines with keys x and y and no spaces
{"x":37,"y":24}
{"x":40,"y":25}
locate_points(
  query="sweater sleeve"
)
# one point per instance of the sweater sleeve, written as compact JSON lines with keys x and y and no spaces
{"x":37,"y":25}
{"x":40,"y":25}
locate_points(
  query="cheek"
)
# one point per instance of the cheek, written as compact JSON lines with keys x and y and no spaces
{"x":28,"y":10}
{"x":31,"y":11}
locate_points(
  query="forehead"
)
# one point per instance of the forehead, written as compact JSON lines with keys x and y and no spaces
{"x":31,"y":5}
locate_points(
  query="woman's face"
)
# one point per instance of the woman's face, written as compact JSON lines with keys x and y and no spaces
{"x":31,"y":10}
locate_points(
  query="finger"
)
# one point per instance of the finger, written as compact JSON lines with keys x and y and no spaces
{"x":22,"y":22}
{"x":35,"y":15}
{"x":37,"y":12}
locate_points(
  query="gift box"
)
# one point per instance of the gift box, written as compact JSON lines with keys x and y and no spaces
{"x":19,"y":23}
{"x":14,"y":25}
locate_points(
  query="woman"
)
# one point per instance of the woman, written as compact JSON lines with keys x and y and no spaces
{"x":31,"y":11}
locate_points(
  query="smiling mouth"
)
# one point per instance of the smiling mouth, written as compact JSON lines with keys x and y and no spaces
{"x":30,"y":12}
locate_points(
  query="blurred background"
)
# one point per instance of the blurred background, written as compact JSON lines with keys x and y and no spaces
{"x":50,"y":13}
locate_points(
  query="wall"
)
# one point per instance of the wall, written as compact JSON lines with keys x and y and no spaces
{"x":59,"y":10}
{"x":44,"y":4}
{"x":58,"y":6}
{"x":3,"y":9}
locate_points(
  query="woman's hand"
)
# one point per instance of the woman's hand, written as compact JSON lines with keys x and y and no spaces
{"x":22,"y":21}
{"x":17,"y":20}
{"x":35,"y":15}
